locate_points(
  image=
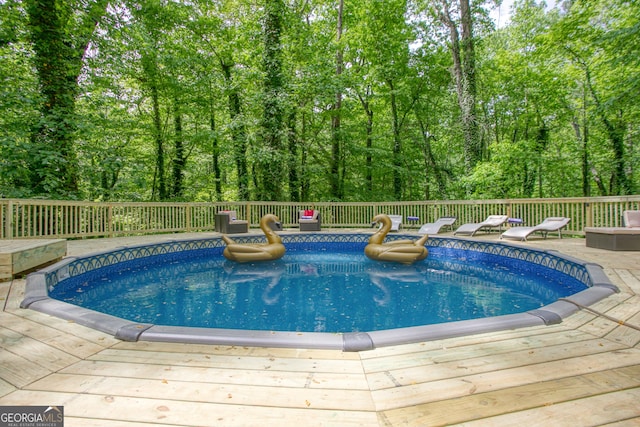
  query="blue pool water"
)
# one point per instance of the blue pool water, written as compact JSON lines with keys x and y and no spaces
{"x":316,"y":291}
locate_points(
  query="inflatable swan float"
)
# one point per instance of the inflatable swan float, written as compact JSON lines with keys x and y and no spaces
{"x":247,"y":252}
{"x":402,"y":251}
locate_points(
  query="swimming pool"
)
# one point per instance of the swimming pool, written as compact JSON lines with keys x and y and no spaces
{"x":97,"y":265}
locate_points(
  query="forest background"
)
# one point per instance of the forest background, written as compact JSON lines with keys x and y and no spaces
{"x":317,"y":100}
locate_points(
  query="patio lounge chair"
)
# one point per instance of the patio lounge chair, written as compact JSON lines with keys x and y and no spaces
{"x":492,"y":221}
{"x":550,"y":224}
{"x":631,"y":219}
{"x":310,"y":220}
{"x":434,"y":227}
{"x":396,"y":222}
{"x":227,"y":223}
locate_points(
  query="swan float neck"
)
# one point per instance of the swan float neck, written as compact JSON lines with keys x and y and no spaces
{"x":247,"y":252}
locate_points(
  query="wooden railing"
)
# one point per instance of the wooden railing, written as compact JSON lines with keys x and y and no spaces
{"x":71,"y":219}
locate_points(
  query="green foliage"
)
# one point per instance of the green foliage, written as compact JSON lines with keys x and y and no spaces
{"x":19,"y":102}
{"x":151,"y":100}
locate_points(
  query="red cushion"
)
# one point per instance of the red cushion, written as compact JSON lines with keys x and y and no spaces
{"x":308,"y":212}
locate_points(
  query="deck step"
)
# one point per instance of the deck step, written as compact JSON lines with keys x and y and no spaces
{"x":20,"y":256}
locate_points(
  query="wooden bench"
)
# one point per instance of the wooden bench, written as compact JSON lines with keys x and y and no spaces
{"x":19,"y":256}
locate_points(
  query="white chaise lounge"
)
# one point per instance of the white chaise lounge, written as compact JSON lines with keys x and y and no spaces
{"x":435,"y":227}
{"x":396,"y":222}
{"x":554,"y":223}
{"x":492,"y":221}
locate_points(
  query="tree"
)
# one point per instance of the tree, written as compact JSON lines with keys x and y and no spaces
{"x":317,"y":100}
{"x":381,"y":53}
{"x":336,"y":170}
{"x":224,"y":31}
{"x":270,"y":158}
{"x":19,"y":101}
{"x":464,"y":71}
{"x":61,"y":32}
{"x":588,"y":36}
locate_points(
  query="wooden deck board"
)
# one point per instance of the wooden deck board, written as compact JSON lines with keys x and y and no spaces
{"x":92,"y":422}
{"x":600,"y":326}
{"x":236,"y":350}
{"x":629,"y":330}
{"x":515,"y":399}
{"x":73,"y":344}
{"x":6,"y":388}
{"x":205,"y":360}
{"x":328,"y":380}
{"x":584,"y":371}
{"x":65,"y":327}
{"x":417,"y":392}
{"x":594,"y":410}
{"x":631,"y":279}
{"x":193,"y":390}
{"x":19,"y":371}
{"x":457,"y":342}
{"x":4,"y":293}
{"x":188,"y":413}
{"x":471,"y":351}
{"x":485,"y":362}
{"x":35,"y":351}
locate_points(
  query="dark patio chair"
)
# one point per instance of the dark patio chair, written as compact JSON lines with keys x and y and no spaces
{"x":310,"y":220}
{"x":227,"y":223}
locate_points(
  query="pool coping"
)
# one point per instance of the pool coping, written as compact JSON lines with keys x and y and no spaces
{"x":37,"y":298}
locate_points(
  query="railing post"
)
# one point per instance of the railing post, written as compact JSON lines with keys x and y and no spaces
{"x":8,"y":230}
{"x":109,"y":229}
{"x":588,"y":215}
{"x":188,"y":217}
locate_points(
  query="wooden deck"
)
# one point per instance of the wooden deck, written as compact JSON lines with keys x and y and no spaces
{"x":585,"y":371}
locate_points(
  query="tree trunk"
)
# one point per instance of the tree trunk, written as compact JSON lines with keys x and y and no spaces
{"x":59,"y":44}
{"x":582,"y":137}
{"x":305,"y":186}
{"x":179,"y":159}
{"x":468,"y":106}
{"x":159,"y":141}
{"x":430,"y":161}
{"x":215,"y":153}
{"x":336,"y":173}
{"x":294,"y":176}
{"x":270,"y":162}
{"x":397,"y":144}
{"x":369,"y":139}
{"x":238,"y":132}
{"x":464,"y":75}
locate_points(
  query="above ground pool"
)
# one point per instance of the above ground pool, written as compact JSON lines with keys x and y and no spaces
{"x":324,"y":293}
